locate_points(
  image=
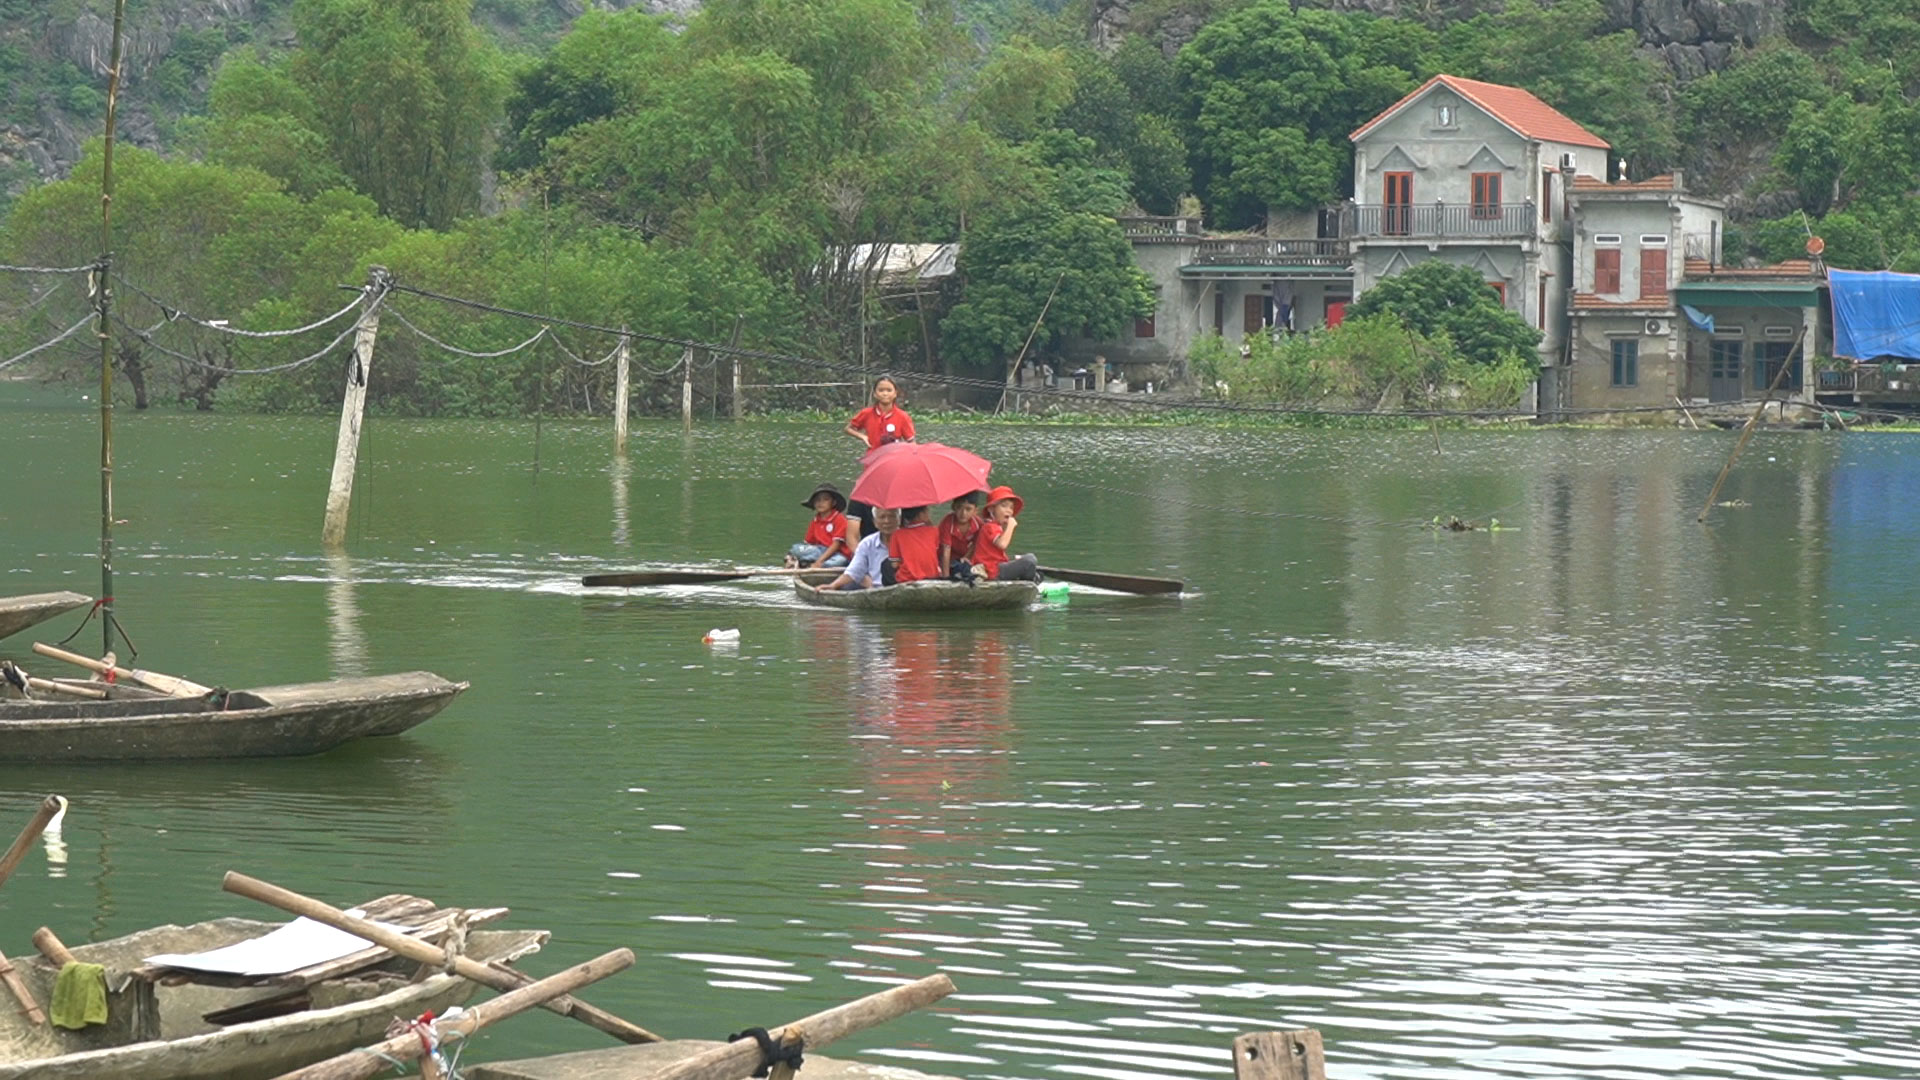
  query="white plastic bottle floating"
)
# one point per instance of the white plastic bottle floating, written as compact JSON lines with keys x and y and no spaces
{"x":722,"y":637}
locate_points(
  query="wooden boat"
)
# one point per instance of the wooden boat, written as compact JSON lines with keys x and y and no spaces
{"x":924,"y":596}
{"x":19,"y":612}
{"x":271,"y":721}
{"x":232,"y":1027}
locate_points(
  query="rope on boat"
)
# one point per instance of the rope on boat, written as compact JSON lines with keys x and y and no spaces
{"x":771,"y":1053}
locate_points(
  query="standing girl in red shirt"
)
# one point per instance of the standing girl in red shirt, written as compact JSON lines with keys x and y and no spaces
{"x":877,"y":425}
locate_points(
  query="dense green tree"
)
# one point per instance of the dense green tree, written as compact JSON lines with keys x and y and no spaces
{"x":262,"y":119}
{"x":410,"y":93}
{"x":1274,"y":92}
{"x":606,"y":62}
{"x":1438,"y":299}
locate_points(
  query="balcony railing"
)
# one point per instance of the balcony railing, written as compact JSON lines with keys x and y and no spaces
{"x":1442,"y":220}
{"x":1162,"y":230}
{"x":1256,"y":251}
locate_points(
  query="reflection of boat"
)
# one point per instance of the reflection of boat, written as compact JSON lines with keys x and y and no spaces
{"x":925,"y":596}
{"x":234,"y":1026}
{"x":19,"y":612}
{"x":272,"y":721}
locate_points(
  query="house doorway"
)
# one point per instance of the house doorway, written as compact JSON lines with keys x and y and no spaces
{"x":1723,"y":370}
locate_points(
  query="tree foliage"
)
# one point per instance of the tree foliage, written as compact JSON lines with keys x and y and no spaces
{"x":1439,"y":300}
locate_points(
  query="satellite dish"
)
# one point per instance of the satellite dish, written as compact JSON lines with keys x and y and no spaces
{"x":1815,"y":245}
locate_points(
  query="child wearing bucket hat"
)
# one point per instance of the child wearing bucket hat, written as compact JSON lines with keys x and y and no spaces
{"x":827,"y":542}
{"x":990,"y":547}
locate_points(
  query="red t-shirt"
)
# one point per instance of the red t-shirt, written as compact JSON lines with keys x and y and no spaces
{"x":917,"y":546}
{"x":881,"y":430}
{"x":959,"y":545}
{"x":829,"y":532}
{"x":987,"y":553}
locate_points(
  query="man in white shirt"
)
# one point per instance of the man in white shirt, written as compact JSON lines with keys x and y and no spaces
{"x":864,"y":571}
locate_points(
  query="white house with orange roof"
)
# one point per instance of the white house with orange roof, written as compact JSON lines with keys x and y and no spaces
{"x":1477,"y":174}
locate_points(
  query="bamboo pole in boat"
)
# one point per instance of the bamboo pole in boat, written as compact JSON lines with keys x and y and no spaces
{"x":353,"y":409}
{"x":42,"y":817}
{"x":103,"y":304}
{"x":414,"y":949}
{"x":172,"y":685}
{"x":622,"y":357}
{"x":740,"y":1059}
{"x":52,"y":947}
{"x":29,"y":1008}
{"x":373,"y":1060}
{"x":34,"y":682}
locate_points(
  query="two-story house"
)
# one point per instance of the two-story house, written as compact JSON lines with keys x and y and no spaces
{"x":1476,"y":174}
{"x":1657,"y":315}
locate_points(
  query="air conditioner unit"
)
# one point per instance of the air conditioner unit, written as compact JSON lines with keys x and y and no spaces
{"x":1567,"y":162}
{"x":1656,"y":326}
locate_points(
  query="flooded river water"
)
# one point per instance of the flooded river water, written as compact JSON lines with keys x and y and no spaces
{"x":1604,"y":793}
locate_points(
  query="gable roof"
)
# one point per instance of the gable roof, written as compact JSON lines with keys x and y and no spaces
{"x":1512,"y":106}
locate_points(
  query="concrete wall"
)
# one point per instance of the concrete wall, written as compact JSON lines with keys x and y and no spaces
{"x":1628,"y":219}
{"x":1753,"y":323}
{"x":1662,"y":365}
{"x":1442,"y":159}
{"x":1176,"y":323}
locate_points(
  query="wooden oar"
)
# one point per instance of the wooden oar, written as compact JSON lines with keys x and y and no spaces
{"x":631,"y":578}
{"x":171,"y":685}
{"x":42,"y":817}
{"x":413,"y":948}
{"x":1126,"y":583}
{"x":373,"y":1060}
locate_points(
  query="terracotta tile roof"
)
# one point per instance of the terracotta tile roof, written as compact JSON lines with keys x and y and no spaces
{"x":1792,"y":268}
{"x":1510,"y":105}
{"x":1663,"y":182}
{"x":1595,"y":302}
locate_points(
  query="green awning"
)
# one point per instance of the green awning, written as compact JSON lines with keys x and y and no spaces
{"x":1782,"y":294}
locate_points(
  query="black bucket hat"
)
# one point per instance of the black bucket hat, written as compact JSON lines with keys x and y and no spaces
{"x":839,"y":500}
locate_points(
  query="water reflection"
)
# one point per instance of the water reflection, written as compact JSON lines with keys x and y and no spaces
{"x":346,"y":639}
{"x":619,"y":473}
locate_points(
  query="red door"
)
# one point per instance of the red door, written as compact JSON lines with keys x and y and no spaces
{"x":1398,"y":199}
{"x":1336,"y":312}
{"x":1653,"y":273}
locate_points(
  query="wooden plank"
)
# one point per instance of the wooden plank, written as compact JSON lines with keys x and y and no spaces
{"x":740,"y":1059}
{"x":1279,"y":1055}
{"x":28,"y":1007}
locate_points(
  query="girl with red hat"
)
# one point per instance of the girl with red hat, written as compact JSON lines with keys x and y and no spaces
{"x":990,"y":547}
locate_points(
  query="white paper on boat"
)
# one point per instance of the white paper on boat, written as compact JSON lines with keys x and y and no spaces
{"x":299,"y":944}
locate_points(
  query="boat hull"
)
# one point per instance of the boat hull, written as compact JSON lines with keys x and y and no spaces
{"x":19,"y":612}
{"x":925,"y":596}
{"x":346,"y":1014}
{"x":274,"y":721}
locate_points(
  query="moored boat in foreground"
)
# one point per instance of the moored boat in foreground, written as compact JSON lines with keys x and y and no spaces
{"x":19,"y":612}
{"x":270,"y":721}
{"x":174,"y":1021}
{"x":924,"y":596}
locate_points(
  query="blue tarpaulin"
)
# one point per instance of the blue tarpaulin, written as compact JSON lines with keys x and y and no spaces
{"x":1700,"y":319}
{"x":1875,"y":315}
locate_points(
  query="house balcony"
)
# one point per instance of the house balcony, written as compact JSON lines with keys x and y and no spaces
{"x":1261,"y":251}
{"x":1442,"y":221}
{"x":1143,"y":229}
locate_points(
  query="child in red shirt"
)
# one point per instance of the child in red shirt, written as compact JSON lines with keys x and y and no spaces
{"x":915,"y":548}
{"x":990,"y":559}
{"x":957,"y":532}
{"x":881,"y":423}
{"x":827,"y":542}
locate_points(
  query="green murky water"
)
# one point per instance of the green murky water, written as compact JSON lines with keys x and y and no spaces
{"x":1609,"y":794}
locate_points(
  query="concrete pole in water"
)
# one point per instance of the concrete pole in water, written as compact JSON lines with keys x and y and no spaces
{"x":621,"y":358}
{"x":353,"y":407}
{"x":686,"y":387}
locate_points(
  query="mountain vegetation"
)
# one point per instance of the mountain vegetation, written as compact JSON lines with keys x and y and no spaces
{"x":739,"y":168}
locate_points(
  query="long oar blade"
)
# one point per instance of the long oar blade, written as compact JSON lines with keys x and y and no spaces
{"x":634,"y":578}
{"x":1126,"y":583}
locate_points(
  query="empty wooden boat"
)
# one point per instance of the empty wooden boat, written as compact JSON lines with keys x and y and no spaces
{"x":19,"y":612}
{"x":925,"y":596}
{"x":170,"y":1022}
{"x":270,"y":721}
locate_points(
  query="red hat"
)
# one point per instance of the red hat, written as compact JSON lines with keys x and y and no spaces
{"x":1005,"y":492}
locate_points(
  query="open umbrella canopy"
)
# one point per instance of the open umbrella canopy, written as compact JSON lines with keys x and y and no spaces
{"x":906,"y":474}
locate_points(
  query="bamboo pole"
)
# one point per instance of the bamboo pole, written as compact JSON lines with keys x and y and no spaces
{"x":353,"y":408}
{"x":1752,"y":422}
{"x":49,"y":807}
{"x":171,"y":685}
{"x":686,"y":387}
{"x":740,"y":1059}
{"x":373,"y":1060}
{"x":622,"y":357}
{"x":414,"y":949}
{"x":29,"y":1008}
{"x":52,"y":947}
{"x":103,"y":304}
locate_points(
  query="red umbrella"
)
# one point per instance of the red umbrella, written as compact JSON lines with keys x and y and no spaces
{"x":919,"y":474}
